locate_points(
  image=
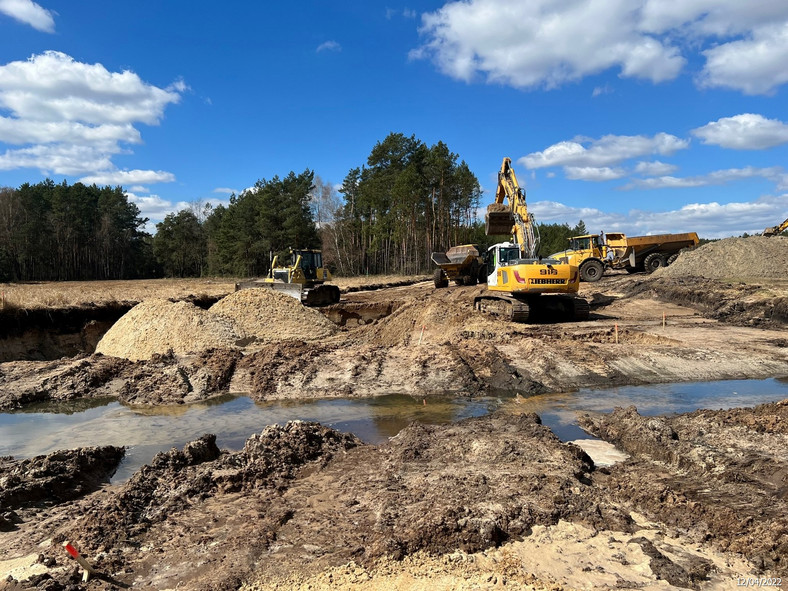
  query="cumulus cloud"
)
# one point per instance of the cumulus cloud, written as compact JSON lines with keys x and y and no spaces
{"x":545,"y":43}
{"x":606,"y":151}
{"x":29,"y":13}
{"x":128,"y":177}
{"x":71,"y":118}
{"x":709,"y":220}
{"x":654,"y":168}
{"x":775,"y":174}
{"x":328,"y":46}
{"x":744,"y":132}
{"x":226,"y":190}
{"x":755,"y":65}
{"x":592,"y":173}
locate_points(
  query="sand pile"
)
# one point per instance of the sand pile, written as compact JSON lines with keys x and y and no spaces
{"x":268,"y":315}
{"x":756,"y":257}
{"x":156,"y":326}
{"x":240,"y":319}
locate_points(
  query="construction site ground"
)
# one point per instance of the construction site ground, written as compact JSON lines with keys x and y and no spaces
{"x":486,"y":503}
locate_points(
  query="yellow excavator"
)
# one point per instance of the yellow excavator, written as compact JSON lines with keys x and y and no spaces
{"x":520,"y":285}
{"x":775,"y":230}
{"x":303,"y":279}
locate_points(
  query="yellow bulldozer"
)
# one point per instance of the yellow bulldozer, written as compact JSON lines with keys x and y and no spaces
{"x":303,"y":279}
{"x":520,"y":285}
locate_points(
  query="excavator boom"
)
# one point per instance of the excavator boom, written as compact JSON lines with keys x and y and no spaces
{"x":509,"y":213}
{"x":520,"y":286}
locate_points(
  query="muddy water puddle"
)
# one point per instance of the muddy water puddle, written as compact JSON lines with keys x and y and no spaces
{"x":145,"y":431}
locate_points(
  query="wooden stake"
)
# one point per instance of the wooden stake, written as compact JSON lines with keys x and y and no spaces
{"x":422,"y":334}
{"x":616,"y":331}
{"x":82,"y":562}
{"x":663,"y":320}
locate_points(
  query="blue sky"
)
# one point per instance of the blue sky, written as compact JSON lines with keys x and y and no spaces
{"x":644,"y":117}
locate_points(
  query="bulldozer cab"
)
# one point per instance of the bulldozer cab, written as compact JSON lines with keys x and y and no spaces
{"x":309,"y":261}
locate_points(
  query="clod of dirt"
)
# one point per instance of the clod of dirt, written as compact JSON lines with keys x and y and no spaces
{"x":179,"y":478}
{"x":755,"y":257}
{"x":167,"y":379}
{"x":267,"y":315}
{"x":160,"y":326}
{"x":57,"y":477}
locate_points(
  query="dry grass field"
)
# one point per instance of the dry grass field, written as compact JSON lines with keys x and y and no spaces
{"x":54,"y":294}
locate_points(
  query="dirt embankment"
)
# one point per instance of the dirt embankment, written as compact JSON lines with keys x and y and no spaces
{"x":420,"y":341}
{"x":700,"y":502}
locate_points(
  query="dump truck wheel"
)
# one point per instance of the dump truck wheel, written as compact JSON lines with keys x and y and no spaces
{"x":591,"y":271}
{"x":654,"y":261}
{"x":672,"y":259}
{"x":439,"y":279}
{"x":483,"y":274}
{"x":469,"y":279}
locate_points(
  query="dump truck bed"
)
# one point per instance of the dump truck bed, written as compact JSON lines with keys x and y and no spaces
{"x":676,"y":241}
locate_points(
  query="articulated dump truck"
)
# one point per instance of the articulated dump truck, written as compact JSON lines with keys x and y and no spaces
{"x":593,"y":254}
{"x":462,"y":264}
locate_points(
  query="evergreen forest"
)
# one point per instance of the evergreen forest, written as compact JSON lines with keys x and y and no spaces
{"x":387,"y":217}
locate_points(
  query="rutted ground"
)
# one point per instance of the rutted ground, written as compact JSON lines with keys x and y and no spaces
{"x":493,"y":501}
{"x":423,"y":342}
{"x":498,"y":500}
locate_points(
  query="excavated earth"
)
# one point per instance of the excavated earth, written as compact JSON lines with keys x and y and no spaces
{"x":491,"y":502}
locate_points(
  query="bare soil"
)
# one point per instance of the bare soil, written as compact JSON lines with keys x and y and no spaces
{"x":492,"y":502}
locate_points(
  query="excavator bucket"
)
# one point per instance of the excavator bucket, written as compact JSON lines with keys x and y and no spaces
{"x":498,"y":220}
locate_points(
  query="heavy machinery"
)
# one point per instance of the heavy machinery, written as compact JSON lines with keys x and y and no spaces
{"x":775,"y":230}
{"x":521,"y":286}
{"x":593,"y":255}
{"x":461,"y":264}
{"x":304,"y":279}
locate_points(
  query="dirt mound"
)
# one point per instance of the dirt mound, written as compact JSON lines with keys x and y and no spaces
{"x":267,"y":315}
{"x":674,"y":460}
{"x":57,"y":477}
{"x":160,"y":326}
{"x":755,"y":257}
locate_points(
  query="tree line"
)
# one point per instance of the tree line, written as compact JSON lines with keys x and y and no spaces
{"x":389,"y":214}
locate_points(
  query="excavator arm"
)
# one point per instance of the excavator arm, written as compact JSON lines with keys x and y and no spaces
{"x":778,"y":229}
{"x":509,"y":213}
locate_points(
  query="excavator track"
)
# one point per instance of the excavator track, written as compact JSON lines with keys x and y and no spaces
{"x":504,"y":306}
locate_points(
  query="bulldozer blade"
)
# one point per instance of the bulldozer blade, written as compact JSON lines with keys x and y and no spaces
{"x":498,"y":222}
{"x":292,"y":289}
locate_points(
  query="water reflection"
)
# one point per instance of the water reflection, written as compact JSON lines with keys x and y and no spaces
{"x":147,"y":430}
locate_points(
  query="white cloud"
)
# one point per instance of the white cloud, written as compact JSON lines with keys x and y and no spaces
{"x":744,"y":132}
{"x":226,"y":190}
{"x":709,"y":220}
{"x":71,"y":118}
{"x":30,"y":13}
{"x":655,"y":168}
{"x":606,"y":151}
{"x":548,"y":43}
{"x":128,"y":177}
{"x":775,"y":174}
{"x":65,"y":159}
{"x":755,"y":65}
{"x":156,"y":208}
{"x":328,"y":46}
{"x":592,"y":173}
